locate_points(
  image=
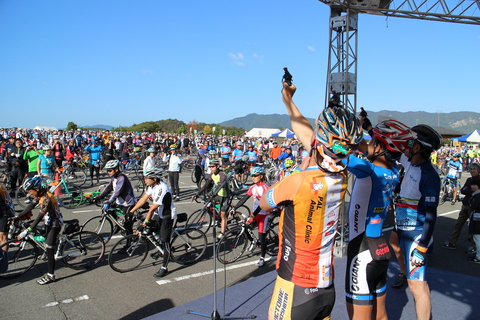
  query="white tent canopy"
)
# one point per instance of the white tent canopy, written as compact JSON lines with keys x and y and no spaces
{"x":284,"y":134}
{"x":45,"y":128}
{"x":261,"y":132}
{"x":473,"y":136}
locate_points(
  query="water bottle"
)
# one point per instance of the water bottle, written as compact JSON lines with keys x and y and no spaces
{"x":11,"y":232}
{"x":39,"y":238}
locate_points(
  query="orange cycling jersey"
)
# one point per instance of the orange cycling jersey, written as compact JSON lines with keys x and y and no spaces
{"x":311,"y":201}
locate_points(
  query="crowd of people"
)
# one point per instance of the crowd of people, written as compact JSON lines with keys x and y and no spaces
{"x":399,"y":168}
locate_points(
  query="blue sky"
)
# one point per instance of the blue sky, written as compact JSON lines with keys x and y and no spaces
{"x":124,"y":62}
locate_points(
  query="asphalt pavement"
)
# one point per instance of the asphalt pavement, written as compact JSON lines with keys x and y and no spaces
{"x":102,"y":293}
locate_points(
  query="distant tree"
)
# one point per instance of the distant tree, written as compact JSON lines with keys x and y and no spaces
{"x":207,"y":129}
{"x":182,"y":129}
{"x":72,"y":126}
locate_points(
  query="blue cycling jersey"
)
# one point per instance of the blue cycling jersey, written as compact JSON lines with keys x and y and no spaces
{"x":237,"y":154}
{"x":252,"y":155}
{"x":418,"y":195}
{"x":371,"y":196}
{"x":453,"y":168}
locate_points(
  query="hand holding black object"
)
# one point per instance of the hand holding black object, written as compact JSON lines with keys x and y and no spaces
{"x":287,"y":77}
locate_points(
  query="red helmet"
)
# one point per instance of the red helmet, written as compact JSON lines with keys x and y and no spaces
{"x":396,"y":136}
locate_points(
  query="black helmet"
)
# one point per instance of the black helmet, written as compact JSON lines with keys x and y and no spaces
{"x":427,"y":136}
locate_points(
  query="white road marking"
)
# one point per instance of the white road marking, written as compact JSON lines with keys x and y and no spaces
{"x":201,"y":274}
{"x":82,"y":211}
{"x":65,"y":301}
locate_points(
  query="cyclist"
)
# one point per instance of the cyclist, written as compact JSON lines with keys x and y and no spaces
{"x":160,"y":215}
{"x":18,"y":165}
{"x":225,"y":152}
{"x":122,"y":193}
{"x":149,"y":162}
{"x":57,"y":147}
{"x":258,"y":215}
{"x":174,"y":167}
{"x":7,"y":209}
{"x":50,"y":214}
{"x":31,"y":156}
{"x":416,"y":213}
{"x":368,"y":253}
{"x":453,"y":171}
{"x":94,"y":149}
{"x":214,"y":180}
{"x":239,"y":164}
{"x":465,"y":211}
{"x":304,"y":287}
{"x":252,"y":155}
{"x":46,"y":165}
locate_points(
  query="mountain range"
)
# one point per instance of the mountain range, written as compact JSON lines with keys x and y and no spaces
{"x":462,"y":121}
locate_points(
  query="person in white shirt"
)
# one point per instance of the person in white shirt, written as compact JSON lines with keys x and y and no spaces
{"x":174,"y":166}
{"x":149,"y":162}
{"x":160,"y":215}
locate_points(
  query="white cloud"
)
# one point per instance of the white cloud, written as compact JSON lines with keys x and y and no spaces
{"x":311,"y":48}
{"x":147,"y":71}
{"x":237,"y":58}
{"x":46,"y":83}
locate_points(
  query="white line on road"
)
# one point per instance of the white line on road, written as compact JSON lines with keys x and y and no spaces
{"x":70,"y":300}
{"x":201,"y":274}
{"x":86,"y":211}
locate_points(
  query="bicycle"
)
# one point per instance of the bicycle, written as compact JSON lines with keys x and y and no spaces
{"x":446,"y":190}
{"x":77,"y":249}
{"x":67,"y":195}
{"x":76,"y":171}
{"x":202,"y":219}
{"x":90,"y":197}
{"x":187,"y":246}
{"x":110,"y":222}
{"x":234,"y":242}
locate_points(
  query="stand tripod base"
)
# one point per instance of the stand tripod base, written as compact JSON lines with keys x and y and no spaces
{"x":216,"y":316}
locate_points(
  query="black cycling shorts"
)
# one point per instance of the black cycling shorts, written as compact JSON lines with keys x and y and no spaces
{"x":366,"y":275}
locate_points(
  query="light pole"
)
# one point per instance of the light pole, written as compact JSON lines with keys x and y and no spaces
{"x":438,"y":114}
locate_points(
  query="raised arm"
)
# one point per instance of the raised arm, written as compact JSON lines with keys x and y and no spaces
{"x":300,"y":125}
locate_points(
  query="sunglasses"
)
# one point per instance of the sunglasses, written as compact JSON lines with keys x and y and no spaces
{"x":150,"y":178}
{"x":110,"y":170}
{"x":256,"y":175}
{"x":212,"y":166}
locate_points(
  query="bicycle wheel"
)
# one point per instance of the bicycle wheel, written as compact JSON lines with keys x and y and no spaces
{"x":138,"y":185}
{"x":22,"y":198}
{"x":69,"y":196}
{"x":21,"y":255}
{"x":188,"y":246}
{"x":128,"y":253}
{"x":100,"y":225}
{"x":232,"y":245}
{"x":76,"y":176}
{"x":82,"y":250}
{"x":272,"y":239}
{"x":199,"y":219}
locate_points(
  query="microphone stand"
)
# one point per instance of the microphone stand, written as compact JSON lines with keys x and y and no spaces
{"x":215,"y":314}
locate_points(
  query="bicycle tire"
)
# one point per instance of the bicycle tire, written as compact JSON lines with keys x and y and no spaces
{"x":76,"y":176}
{"x":137,"y":250}
{"x":84,"y":250}
{"x":199,"y":219}
{"x":240,"y":214}
{"x":232,"y":245}
{"x":271,"y":239}
{"x":69,"y":198}
{"x":188,"y":246}
{"x":138,"y":185}
{"x":100,"y":225}
{"x":21,"y":255}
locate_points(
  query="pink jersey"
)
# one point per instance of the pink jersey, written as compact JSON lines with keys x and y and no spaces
{"x":256,"y":191}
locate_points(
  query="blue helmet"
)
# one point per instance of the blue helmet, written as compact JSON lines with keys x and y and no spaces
{"x":34,"y":182}
{"x":257,"y":170}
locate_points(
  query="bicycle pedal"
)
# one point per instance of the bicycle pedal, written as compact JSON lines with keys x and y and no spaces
{"x":156,"y":255}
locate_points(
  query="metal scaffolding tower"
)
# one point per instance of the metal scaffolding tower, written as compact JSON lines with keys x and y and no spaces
{"x":342,"y":55}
